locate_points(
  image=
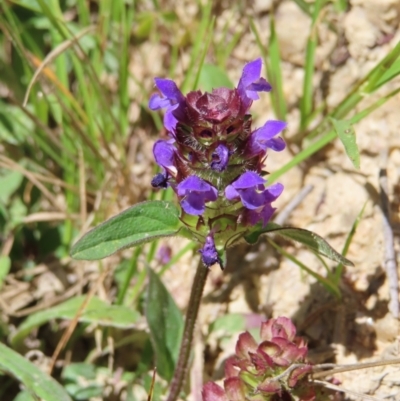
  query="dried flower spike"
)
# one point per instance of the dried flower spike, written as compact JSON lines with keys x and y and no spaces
{"x":273,"y":370}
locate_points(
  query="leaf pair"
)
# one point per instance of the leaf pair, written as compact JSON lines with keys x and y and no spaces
{"x":148,"y":221}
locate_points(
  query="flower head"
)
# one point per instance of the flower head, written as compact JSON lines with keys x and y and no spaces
{"x":273,"y":370}
{"x":214,"y":158}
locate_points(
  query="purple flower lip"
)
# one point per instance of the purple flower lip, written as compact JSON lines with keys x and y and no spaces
{"x":249,"y":187}
{"x":220,"y":158}
{"x":172,"y":98}
{"x":209,"y":253}
{"x":196,"y":193}
{"x":263,"y":138}
{"x":251,"y":83}
{"x":164,"y":154}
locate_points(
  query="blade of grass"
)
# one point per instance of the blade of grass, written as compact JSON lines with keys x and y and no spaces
{"x":306,"y":102}
{"x":339,"y":269}
{"x":305,"y":7}
{"x":203,"y":56}
{"x":205,"y":23}
{"x":276,"y":75}
{"x":273,"y":70}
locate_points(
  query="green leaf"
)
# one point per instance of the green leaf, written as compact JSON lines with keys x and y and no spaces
{"x":305,"y":237}
{"x":97,"y":311}
{"x":389,"y":74}
{"x":33,"y":379}
{"x":139,"y":224}
{"x":166,"y":325}
{"x":9,"y":183}
{"x":5,"y":264}
{"x":212,"y":76}
{"x":347,"y":135}
{"x":24,"y":396}
{"x":229,"y":324}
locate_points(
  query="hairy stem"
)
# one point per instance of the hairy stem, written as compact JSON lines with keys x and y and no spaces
{"x":196,"y":293}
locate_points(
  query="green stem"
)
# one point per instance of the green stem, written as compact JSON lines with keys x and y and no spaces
{"x":199,"y":282}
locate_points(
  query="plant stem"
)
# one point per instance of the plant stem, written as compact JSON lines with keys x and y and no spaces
{"x":196,"y":293}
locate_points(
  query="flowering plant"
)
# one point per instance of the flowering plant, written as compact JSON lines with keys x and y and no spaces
{"x":214,"y":160}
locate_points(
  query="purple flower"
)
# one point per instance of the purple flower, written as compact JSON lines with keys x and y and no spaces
{"x":209,"y":254}
{"x":171,"y":99}
{"x":263,"y":138}
{"x":252,"y":217}
{"x":249,"y":187}
{"x":164,"y":154}
{"x":220,"y":158}
{"x":250,"y":83}
{"x":196,"y":193}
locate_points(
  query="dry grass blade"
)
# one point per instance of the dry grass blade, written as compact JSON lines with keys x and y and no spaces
{"x":52,"y":56}
{"x":82,"y":186}
{"x":390,"y":254}
{"x":343,"y":390}
{"x":68,"y":333}
{"x":10,"y":164}
{"x":356,"y":366}
{"x":48,"y":216}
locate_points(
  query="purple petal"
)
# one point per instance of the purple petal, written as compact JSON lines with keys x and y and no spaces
{"x":157,"y":102}
{"x":261,"y":85}
{"x":273,"y":192}
{"x":170,"y":120}
{"x":263,"y":138}
{"x":164,"y":154}
{"x":231,"y":193}
{"x":270,"y":129}
{"x":254,"y":216}
{"x":249,"y":179}
{"x":169,"y":89}
{"x":209,"y":253}
{"x":250,"y":83}
{"x":192,"y":183}
{"x":193,"y":204}
{"x":196,"y":192}
{"x":251,"y":73}
{"x":220,"y":158}
{"x":251,"y":198}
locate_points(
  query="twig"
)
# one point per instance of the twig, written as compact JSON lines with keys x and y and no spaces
{"x":356,"y":366}
{"x":390,"y":255}
{"x":343,"y":390}
{"x":288,"y":209}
